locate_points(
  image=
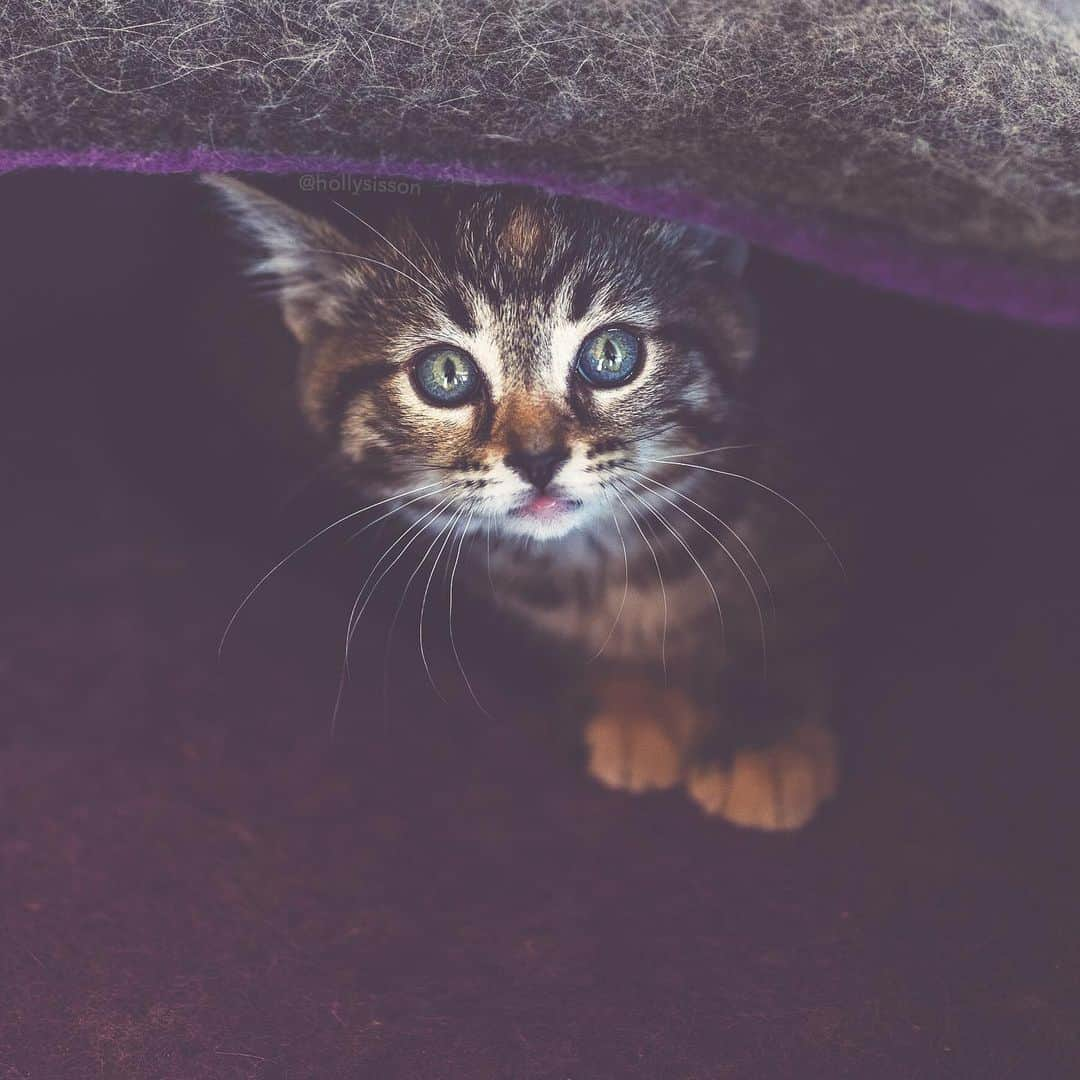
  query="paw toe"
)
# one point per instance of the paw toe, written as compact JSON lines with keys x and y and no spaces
{"x":709,"y":786}
{"x":632,"y":757}
{"x":779,"y":787}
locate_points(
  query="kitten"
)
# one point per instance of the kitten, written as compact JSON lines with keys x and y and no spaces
{"x":580,"y":385}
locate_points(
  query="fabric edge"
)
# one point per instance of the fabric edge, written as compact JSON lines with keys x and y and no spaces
{"x":874,"y":255}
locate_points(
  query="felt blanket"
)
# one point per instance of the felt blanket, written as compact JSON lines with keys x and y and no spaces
{"x":931,"y":146}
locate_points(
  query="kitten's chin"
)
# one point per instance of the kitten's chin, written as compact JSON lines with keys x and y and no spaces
{"x":548,"y":530}
{"x":544,"y":517}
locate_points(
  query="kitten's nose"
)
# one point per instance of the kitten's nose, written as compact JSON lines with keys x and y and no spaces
{"x":537,"y":468}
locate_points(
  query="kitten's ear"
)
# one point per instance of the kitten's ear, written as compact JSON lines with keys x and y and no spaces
{"x":305,"y":256}
{"x":716,"y":250}
{"x":729,"y":253}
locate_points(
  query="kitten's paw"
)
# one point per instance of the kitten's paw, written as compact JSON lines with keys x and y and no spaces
{"x":778,"y":787}
{"x":635,"y":755}
{"x":638,"y":738}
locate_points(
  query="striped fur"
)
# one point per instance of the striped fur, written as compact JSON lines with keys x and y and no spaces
{"x":650,"y":558}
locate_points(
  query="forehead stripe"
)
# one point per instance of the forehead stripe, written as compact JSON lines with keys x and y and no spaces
{"x":459,"y":313}
{"x":582,"y":298}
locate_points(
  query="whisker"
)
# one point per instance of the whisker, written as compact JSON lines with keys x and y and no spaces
{"x":416,"y":528}
{"x":738,"y":567}
{"x":491,"y":580}
{"x":720,"y":520}
{"x":386,"y":266}
{"x":307,"y":543}
{"x":450,"y":619}
{"x":626,"y":588}
{"x":401,"y":604}
{"x":650,"y":434}
{"x":686,"y":547}
{"x":659,"y":575}
{"x":765,"y":487}
{"x":718,"y":449}
{"x":389,"y":243}
{"x":423,"y":600}
{"x":389,"y":513}
{"x":423,"y":243}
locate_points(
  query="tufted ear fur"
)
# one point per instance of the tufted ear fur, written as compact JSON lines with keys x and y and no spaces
{"x":726,"y":254}
{"x":305,"y":257}
{"x":730,"y":254}
{"x":713,"y":251}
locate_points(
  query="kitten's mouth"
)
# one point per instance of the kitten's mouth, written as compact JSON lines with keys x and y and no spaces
{"x":544,"y":507}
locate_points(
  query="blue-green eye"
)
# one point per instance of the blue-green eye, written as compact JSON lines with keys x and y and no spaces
{"x":609,"y":357}
{"x":446,"y":375}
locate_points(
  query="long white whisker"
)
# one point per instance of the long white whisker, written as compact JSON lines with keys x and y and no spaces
{"x":741,"y":572}
{"x":423,"y":243}
{"x":450,"y":620}
{"x":718,"y":449}
{"x":416,"y":528}
{"x":686,"y":547}
{"x":401,"y":604}
{"x":307,"y":543}
{"x":625,"y":591}
{"x":423,"y":600}
{"x":659,"y":575}
{"x":491,"y":580}
{"x":765,"y":487}
{"x":386,"y":266}
{"x":389,"y":243}
{"x":391,"y":512}
{"x":721,"y":521}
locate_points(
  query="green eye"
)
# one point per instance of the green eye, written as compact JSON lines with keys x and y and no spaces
{"x":446,"y":375}
{"x":609,"y":357}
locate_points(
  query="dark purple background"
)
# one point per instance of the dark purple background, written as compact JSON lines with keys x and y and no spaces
{"x":198,"y":882}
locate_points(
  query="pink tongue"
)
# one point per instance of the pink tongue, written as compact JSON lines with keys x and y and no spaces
{"x":540,"y":503}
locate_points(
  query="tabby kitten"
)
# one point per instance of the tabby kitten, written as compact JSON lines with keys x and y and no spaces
{"x":579,"y":385}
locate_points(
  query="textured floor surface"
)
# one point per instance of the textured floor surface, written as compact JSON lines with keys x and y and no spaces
{"x":198,"y":882}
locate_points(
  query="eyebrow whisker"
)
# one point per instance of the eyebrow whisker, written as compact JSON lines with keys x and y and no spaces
{"x":386,"y":266}
{"x":389,"y":243}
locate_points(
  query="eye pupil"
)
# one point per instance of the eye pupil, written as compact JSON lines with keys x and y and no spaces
{"x":446,"y":376}
{"x":609,"y":357}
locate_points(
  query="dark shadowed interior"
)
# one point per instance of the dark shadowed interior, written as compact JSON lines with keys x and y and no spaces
{"x":199,"y":879}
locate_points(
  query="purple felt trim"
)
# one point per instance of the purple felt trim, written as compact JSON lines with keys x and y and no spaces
{"x":983,"y":283}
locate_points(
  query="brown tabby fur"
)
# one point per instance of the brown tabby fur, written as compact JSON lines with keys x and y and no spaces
{"x":678,"y":568}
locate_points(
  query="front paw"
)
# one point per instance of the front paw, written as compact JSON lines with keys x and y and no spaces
{"x":638,"y":738}
{"x":775,"y":788}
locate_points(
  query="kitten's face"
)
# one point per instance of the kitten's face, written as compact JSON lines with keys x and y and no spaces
{"x":526,"y":359}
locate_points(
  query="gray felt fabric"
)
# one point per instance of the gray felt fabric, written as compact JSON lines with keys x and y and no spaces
{"x":955,"y":121}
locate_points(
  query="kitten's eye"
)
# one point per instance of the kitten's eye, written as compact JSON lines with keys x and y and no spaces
{"x":447,"y":376}
{"x":609,"y":357}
